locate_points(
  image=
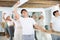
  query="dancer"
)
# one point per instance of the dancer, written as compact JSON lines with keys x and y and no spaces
{"x":10,"y":27}
{"x":55,"y":25}
{"x":27,"y":24}
{"x":18,"y":29}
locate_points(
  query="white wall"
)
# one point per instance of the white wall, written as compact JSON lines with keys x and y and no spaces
{"x":47,"y":13}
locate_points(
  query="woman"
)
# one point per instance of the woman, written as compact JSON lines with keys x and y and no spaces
{"x":10,"y":26}
{"x":18,"y":29}
{"x":42,"y":35}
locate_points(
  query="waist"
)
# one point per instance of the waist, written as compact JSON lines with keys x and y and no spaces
{"x":27,"y":33}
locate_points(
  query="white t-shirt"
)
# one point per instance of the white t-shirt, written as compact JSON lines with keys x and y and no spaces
{"x":27,"y":25}
{"x":56,"y":24}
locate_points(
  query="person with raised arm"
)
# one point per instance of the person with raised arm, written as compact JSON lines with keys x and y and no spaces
{"x":9,"y":26}
{"x":55,"y":25}
{"x":27,"y":24}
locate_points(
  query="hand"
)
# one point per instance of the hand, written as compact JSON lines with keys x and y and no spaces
{"x":18,"y":2}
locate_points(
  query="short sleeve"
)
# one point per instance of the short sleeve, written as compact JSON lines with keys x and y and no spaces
{"x":33,"y":21}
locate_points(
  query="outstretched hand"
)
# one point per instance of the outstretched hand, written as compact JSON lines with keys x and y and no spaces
{"x":18,"y":2}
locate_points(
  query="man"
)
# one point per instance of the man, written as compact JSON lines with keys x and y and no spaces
{"x":55,"y":25}
{"x":27,"y":24}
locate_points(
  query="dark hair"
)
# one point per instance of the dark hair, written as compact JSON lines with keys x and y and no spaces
{"x":23,"y":10}
{"x":33,"y":13}
{"x":7,"y":17}
{"x":55,"y":12}
{"x":39,"y":17}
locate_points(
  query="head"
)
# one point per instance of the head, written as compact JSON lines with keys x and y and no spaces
{"x":56,"y":13}
{"x":16,"y":17}
{"x":41,"y":17}
{"x":8,"y":18}
{"x":24,"y":12}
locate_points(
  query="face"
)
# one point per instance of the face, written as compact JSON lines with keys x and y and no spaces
{"x":24,"y":13}
{"x":16,"y":17}
{"x":8,"y":18}
{"x":41,"y":17}
{"x":57,"y":14}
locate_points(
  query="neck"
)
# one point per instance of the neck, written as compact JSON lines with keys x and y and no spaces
{"x":17,"y":19}
{"x":25,"y":16}
{"x":56,"y":15}
{"x":41,"y":19}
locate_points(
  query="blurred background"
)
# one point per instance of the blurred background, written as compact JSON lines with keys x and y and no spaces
{"x":35,"y":8}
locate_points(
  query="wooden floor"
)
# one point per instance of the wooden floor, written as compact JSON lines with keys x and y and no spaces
{"x":2,"y":33}
{"x":3,"y":38}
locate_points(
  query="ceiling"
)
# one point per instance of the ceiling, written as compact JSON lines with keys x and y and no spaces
{"x":30,"y":3}
{"x":39,"y":4}
{"x":7,"y":3}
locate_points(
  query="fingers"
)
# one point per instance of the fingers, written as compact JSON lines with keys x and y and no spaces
{"x":18,"y":2}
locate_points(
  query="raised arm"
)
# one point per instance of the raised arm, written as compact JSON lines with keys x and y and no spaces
{"x":15,"y":10}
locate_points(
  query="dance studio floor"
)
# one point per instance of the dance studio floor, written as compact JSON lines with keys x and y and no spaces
{"x":3,"y":38}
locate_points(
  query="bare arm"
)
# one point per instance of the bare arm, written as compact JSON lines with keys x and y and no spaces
{"x":42,"y":29}
{"x":51,"y":27}
{"x":15,"y":9}
{"x":39,"y":28}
